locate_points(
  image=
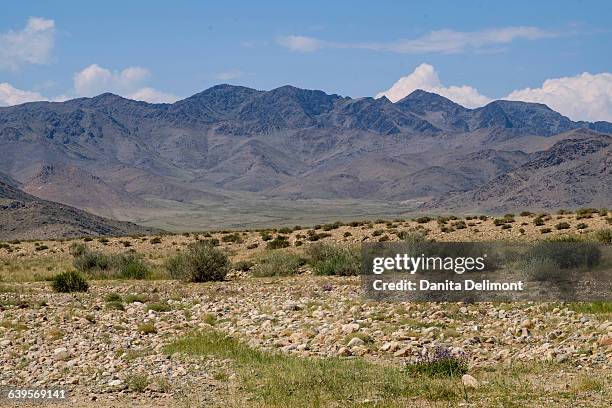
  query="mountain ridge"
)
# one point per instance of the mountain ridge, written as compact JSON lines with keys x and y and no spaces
{"x":287,"y":142}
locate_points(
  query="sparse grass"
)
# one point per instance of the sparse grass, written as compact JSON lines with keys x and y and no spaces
{"x":441,"y":364}
{"x":131,"y":298}
{"x":147,"y":328}
{"x":137,"y":382}
{"x":273,"y":379}
{"x":597,"y":308}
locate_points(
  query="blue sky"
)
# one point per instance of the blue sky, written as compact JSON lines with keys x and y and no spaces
{"x":356,"y":48}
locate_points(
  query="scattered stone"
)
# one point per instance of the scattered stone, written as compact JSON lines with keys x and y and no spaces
{"x":355,"y":341}
{"x":469,"y":381}
{"x":350,"y":328}
{"x":403,"y":352}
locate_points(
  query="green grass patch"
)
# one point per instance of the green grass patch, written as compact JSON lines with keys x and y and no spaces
{"x":598,"y":308}
{"x":274,"y":379}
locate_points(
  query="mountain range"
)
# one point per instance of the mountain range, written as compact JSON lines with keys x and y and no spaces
{"x":142,"y":162}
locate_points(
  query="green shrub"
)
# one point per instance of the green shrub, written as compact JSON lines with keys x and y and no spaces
{"x":441,"y":364}
{"x":265,"y":235}
{"x":114,"y":305}
{"x":604,"y":236}
{"x":412,"y":236}
{"x":581,"y":225}
{"x":131,"y":298}
{"x":526,"y":214}
{"x":113,"y":297}
{"x":506,"y":226}
{"x":201,"y":263}
{"x":278,"y":263}
{"x":545,"y":230}
{"x":279,"y":242}
{"x":137,"y":382}
{"x":585,"y":213}
{"x":545,"y":259}
{"x":329,"y":259}
{"x":499,"y":221}
{"x":459,"y":225}
{"x":122,"y":266}
{"x":423,"y":220}
{"x":562,"y":226}
{"x":91,"y":261}
{"x":234,"y":238}
{"x":131,"y":266}
{"x":243,"y":266}
{"x":77,"y":249}
{"x":67,"y":282}
{"x":159,"y":307}
{"x":312,"y":235}
{"x":156,"y":240}
{"x":147,"y":328}
{"x":538,"y":222}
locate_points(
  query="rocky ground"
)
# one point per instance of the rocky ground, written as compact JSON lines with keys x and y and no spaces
{"x":109,"y":346}
{"x":101,"y":353}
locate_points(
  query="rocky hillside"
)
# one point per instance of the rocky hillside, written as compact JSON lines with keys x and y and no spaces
{"x":23,"y":216}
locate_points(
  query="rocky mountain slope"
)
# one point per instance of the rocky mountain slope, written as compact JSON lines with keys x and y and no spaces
{"x":109,"y":154}
{"x":23,"y":216}
{"x":574,"y":172}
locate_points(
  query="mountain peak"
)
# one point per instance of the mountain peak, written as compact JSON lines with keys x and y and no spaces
{"x":422,"y":97}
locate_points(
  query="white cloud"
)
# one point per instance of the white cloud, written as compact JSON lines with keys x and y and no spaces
{"x":128,"y":82}
{"x":95,"y":79}
{"x":302,"y":43}
{"x":581,"y":97}
{"x":152,"y":95}
{"x":440,"y":41}
{"x":426,"y":78}
{"x":9,"y":95}
{"x":31,"y":45}
{"x":451,"y":41}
